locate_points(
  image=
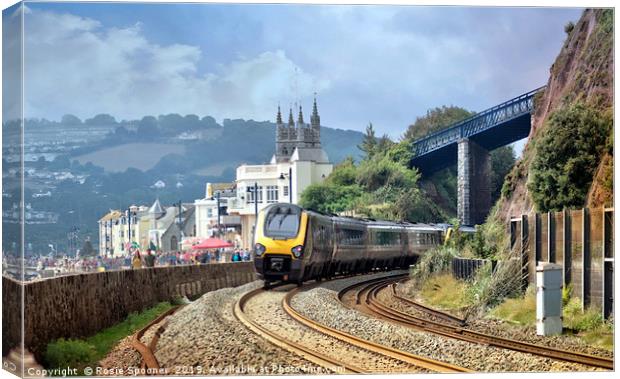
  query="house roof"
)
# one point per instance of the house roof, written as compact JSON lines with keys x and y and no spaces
{"x":222,"y":186}
{"x":112,"y":215}
{"x":311,"y":154}
{"x":156,"y":208}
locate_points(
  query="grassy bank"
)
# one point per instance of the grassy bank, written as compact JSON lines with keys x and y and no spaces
{"x":80,"y":353}
{"x":587,"y":324}
{"x":442,"y":291}
{"x":445,"y":292}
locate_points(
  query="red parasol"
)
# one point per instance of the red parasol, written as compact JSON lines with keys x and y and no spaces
{"x":212,"y":243}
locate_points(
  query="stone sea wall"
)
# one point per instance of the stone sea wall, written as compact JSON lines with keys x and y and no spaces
{"x":77,"y":306}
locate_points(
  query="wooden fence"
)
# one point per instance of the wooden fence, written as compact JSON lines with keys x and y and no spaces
{"x":580,"y":240}
{"x":465,"y":268}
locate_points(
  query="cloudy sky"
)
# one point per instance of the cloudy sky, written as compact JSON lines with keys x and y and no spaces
{"x":379,"y":64}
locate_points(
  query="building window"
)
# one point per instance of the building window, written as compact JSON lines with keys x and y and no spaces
{"x":250,"y":197}
{"x":209,"y":212}
{"x":285,"y":191}
{"x":272,"y":194}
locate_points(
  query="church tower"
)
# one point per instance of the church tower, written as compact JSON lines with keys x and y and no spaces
{"x":297,"y":135}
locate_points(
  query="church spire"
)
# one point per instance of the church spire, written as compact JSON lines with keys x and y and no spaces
{"x":291,"y":122}
{"x":279,"y":116}
{"x":315,"y":119}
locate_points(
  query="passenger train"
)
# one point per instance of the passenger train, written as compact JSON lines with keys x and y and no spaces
{"x":292,"y":244}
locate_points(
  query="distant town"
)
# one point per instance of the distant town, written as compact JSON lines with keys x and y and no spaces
{"x":111,"y":166}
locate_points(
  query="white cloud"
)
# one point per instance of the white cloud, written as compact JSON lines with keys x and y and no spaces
{"x":75,"y":65}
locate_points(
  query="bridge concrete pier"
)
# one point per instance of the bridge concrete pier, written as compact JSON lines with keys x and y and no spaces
{"x":473,"y":182}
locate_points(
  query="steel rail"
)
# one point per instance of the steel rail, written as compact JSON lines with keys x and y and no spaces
{"x":370,"y":303}
{"x":147,"y":351}
{"x":281,"y":342}
{"x":404,"y":356}
{"x":435,"y":312}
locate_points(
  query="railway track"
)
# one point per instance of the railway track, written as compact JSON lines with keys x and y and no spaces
{"x":449,"y":326}
{"x":147,"y":352}
{"x":330,"y":348}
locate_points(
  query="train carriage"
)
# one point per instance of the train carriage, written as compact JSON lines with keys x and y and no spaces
{"x":294,"y":245}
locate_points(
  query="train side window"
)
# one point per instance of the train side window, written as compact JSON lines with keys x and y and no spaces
{"x":388,"y":238}
{"x":351,"y":237}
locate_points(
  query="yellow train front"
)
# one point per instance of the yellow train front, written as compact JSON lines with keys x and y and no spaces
{"x":294,"y":245}
{"x":279,"y":243}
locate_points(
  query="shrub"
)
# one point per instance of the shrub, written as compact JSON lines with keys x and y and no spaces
{"x":567,"y":156}
{"x":436,"y":260}
{"x":64,"y":353}
{"x":568,"y":28}
{"x":489,"y":288}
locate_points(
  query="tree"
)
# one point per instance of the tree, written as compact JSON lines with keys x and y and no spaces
{"x":435,"y":120}
{"x":71,"y":120}
{"x":147,"y":127}
{"x":101,"y":119}
{"x":369,"y":143}
{"x":87,"y":249}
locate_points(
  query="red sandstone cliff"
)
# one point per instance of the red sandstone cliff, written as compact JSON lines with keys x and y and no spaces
{"x":583,"y":71}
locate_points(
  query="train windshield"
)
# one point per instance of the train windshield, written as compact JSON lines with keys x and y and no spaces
{"x":282,"y":222}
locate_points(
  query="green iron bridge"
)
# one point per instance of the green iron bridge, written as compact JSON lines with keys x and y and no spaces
{"x":468,"y":143}
{"x":498,"y":126}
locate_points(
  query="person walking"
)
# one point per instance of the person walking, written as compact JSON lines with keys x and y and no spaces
{"x":149,"y":259}
{"x":136,"y":261}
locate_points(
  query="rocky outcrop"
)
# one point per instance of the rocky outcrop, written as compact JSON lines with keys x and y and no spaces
{"x":583,"y":71}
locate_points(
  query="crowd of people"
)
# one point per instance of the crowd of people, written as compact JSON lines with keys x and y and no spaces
{"x":174,"y":258}
{"x":49,"y":266}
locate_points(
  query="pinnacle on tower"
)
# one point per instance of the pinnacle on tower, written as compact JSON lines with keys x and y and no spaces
{"x":279,"y":117}
{"x":315,"y":119}
{"x":291,"y":122}
{"x":300,"y":119}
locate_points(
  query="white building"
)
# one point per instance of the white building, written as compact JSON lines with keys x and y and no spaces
{"x":207,"y":213}
{"x":299,"y":161}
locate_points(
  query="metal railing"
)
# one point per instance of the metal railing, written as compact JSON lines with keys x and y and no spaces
{"x":477,"y":123}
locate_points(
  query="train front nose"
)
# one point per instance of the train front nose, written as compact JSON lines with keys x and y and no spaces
{"x":276,"y":264}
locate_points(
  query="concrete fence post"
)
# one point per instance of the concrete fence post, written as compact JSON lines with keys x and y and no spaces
{"x":550,"y":237}
{"x":585,"y":272}
{"x":524,"y":253}
{"x":566,"y":239}
{"x":608,"y":262}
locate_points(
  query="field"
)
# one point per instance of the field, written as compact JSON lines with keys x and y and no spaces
{"x":142,"y":156}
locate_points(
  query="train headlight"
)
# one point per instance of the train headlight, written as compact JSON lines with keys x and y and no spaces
{"x":297,"y":251}
{"x":259,"y":249}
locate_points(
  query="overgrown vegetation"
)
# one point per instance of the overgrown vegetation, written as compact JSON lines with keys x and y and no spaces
{"x":381,"y":186}
{"x":567,"y":155}
{"x":80,"y":353}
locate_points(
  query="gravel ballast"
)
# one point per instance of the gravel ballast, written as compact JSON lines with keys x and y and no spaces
{"x":267,"y":310}
{"x":205,"y":338}
{"x":322,"y":305}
